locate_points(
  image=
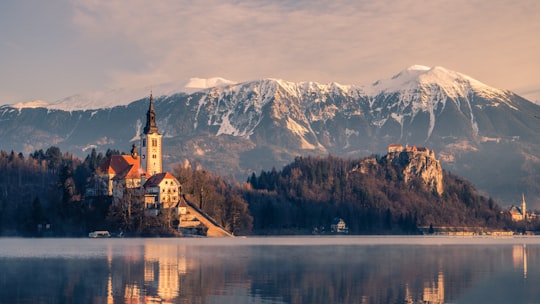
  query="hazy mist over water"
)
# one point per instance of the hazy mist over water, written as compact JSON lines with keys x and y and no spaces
{"x":369,"y":269}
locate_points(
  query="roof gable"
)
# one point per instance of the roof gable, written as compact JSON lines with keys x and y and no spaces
{"x":156,"y":179}
{"x":123,"y":166}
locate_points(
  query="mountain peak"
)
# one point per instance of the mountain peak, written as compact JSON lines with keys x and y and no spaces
{"x":205,"y":83}
{"x":418,"y":67}
{"x":419,"y":77}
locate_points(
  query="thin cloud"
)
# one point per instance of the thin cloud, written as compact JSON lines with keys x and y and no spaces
{"x":354,"y":42}
{"x":244,"y":39}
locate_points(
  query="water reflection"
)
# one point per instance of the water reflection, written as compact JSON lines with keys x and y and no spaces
{"x":519,"y":258}
{"x":434,"y":291}
{"x":171,"y":271}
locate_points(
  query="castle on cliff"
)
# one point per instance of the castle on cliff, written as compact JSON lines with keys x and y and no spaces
{"x":397,"y":148}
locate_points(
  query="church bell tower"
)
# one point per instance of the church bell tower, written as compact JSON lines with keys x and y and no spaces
{"x":151,"y":142}
{"x":523,"y":206}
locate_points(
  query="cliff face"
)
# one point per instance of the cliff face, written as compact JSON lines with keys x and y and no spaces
{"x":419,"y":163}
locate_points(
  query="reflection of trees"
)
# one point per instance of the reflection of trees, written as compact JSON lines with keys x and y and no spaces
{"x":173,"y":274}
{"x":53,"y":280}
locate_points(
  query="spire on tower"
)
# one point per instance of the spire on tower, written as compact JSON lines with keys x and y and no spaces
{"x":151,"y":142}
{"x":151,"y":126}
{"x":523,"y":205}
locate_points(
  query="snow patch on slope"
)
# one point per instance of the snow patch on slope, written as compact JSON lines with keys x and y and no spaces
{"x":138,"y":130}
{"x":300,"y":131}
{"x":227,"y":128}
{"x":31,"y":104}
{"x":348,"y":134}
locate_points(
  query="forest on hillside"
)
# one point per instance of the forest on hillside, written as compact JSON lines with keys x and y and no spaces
{"x":311,"y":191}
{"x":43,"y":194}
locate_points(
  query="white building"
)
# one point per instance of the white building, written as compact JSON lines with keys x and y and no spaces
{"x":162,"y":190}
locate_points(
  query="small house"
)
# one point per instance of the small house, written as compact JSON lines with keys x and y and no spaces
{"x":162,"y":191}
{"x":339,"y":226}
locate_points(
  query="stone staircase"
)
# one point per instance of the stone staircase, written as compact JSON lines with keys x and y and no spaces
{"x":195,"y":217}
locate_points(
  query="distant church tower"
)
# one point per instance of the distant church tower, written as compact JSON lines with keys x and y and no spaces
{"x":151,"y":142}
{"x":523,"y":206}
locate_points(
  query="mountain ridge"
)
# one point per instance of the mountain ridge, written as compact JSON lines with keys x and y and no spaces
{"x":123,"y":96}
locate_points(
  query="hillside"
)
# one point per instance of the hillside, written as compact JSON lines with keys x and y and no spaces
{"x":395,"y":194}
{"x":392,"y":194}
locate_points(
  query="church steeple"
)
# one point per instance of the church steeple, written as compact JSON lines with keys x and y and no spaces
{"x":151,"y":142}
{"x":151,"y":126}
{"x":523,"y":206}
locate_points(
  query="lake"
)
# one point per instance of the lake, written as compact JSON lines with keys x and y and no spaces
{"x":271,"y":270}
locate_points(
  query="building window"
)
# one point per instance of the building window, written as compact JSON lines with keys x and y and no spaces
{"x":154,"y":142}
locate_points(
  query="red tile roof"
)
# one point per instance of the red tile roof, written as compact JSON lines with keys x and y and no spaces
{"x":123,"y":166}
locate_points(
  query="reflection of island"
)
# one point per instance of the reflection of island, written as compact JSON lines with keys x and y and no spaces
{"x":151,"y":274}
{"x":163,"y":266}
{"x":434,"y":291}
{"x":110,"y":299}
{"x":169,"y":271}
{"x":159,"y":272}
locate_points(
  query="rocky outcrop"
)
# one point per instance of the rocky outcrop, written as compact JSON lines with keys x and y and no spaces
{"x":419,"y":163}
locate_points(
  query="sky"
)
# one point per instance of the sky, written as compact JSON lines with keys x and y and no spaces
{"x":50,"y":50}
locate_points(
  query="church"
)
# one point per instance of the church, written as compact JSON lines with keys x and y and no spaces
{"x":140,"y":175}
{"x":519,"y":213}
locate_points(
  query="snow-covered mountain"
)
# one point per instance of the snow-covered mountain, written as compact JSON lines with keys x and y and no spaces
{"x":124,"y":96}
{"x":416,"y":77}
{"x":487,"y":135}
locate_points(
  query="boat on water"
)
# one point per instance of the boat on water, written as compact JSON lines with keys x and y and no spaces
{"x":99,"y":234}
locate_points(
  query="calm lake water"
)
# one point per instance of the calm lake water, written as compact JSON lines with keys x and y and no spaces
{"x":271,"y":270}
